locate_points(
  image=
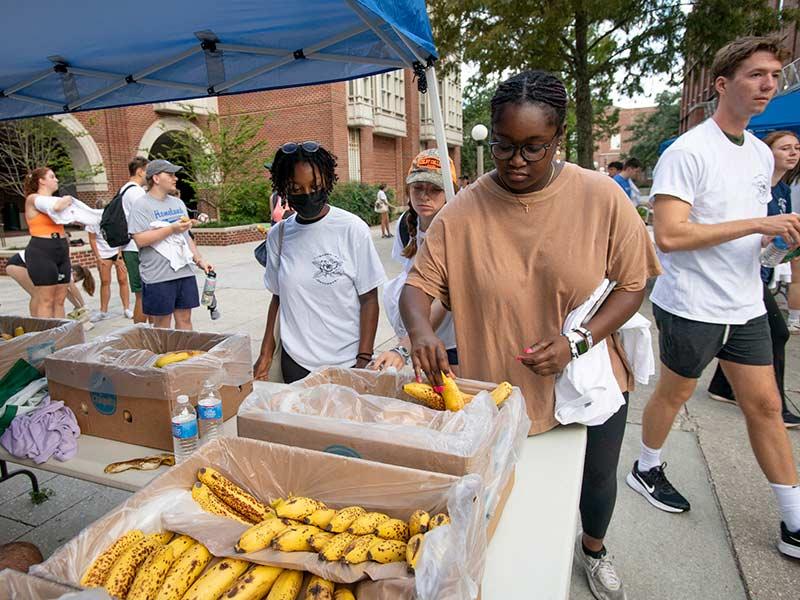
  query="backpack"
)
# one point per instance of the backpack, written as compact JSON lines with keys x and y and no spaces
{"x":113,"y":223}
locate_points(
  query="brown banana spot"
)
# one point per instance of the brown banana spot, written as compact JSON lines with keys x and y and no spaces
{"x":224,"y":566}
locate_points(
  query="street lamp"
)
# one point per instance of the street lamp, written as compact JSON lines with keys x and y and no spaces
{"x":479,"y":133}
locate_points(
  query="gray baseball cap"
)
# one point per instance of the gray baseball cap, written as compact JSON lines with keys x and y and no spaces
{"x":154,"y":167}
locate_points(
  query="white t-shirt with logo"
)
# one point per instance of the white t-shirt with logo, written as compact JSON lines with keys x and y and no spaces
{"x":722,"y":182}
{"x":133,"y":191}
{"x":324,"y":267}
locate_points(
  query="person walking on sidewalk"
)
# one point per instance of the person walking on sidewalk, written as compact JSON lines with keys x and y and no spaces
{"x":131,"y":192}
{"x":382,"y":208}
{"x":711,"y":190}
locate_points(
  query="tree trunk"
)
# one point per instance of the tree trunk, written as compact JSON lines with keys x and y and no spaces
{"x":584,"y":111}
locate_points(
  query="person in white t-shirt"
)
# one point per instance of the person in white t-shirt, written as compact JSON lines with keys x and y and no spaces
{"x":322,"y":269}
{"x":710,"y":190}
{"x":381,"y":207}
{"x":109,"y":258}
{"x":132,"y":191}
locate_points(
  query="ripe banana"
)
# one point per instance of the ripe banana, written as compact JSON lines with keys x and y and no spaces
{"x":162,"y":537}
{"x":418,"y":522}
{"x":319,"y":589}
{"x":254,"y":584}
{"x":260,"y":536}
{"x":298,"y":508}
{"x":294,"y":539}
{"x":453,"y":399}
{"x":356,"y":552}
{"x":183,"y":572}
{"x":387,"y":551}
{"x":320,"y":518}
{"x":97,"y":573}
{"x":171,"y":357}
{"x":151,"y":574}
{"x":367,"y":523}
{"x":210,"y":503}
{"x":343,"y":593}
{"x":235,"y":497}
{"x":439,"y":520}
{"x":287,"y":586}
{"x":318,"y":540}
{"x":121,"y":576}
{"x":413,"y":550}
{"x":18,"y":331}
{"x":501,"y":393}
{"x":425,"y":394}
{"x":393,"y":529}
{"x":334,"y":549}
{"x":180,"y":544}
{"x":344,"y":518}
{"x":216,"y":580}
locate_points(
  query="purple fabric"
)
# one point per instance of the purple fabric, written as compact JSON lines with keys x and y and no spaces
{"x":50,"y":430}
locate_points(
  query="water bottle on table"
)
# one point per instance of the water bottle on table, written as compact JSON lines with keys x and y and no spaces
{"x":184,"y":428}
{"x":774,"y":253}
{"x":209,"y":412}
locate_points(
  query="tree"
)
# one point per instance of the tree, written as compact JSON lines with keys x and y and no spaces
{"x":476,"y":110}
{"x":648,"y":131}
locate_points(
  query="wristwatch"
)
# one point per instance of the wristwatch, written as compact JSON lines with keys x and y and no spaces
{"x":403,"y":352}
{"x":577,"y":343}
{"x":587,"y":336}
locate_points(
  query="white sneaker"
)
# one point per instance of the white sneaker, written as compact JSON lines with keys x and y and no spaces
{"x":601,"y":575}
{"x":794,"y":327}
{"x":100,"y":316}
{"x":128,"y":313}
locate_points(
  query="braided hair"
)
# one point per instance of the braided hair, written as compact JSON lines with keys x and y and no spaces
{"x":535,"y":87}
{"x":411,"y":224}
{"x":283,"y":166}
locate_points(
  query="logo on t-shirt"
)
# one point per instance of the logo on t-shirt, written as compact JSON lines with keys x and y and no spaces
{"x":329,"y":268}
{"x":762,"y":189}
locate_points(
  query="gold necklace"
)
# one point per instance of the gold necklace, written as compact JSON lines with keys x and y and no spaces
{"x":527,"y":206}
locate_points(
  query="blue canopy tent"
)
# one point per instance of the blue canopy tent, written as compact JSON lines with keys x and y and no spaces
{"x":93,"y":54}
{"x":782,"y":113}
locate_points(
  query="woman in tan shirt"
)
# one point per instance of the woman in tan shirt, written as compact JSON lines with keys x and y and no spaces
{"x":511,"y":257}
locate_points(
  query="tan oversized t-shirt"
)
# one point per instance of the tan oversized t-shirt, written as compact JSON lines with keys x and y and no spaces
{"x":511,"y":277}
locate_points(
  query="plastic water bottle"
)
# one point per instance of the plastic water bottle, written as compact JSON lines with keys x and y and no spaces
{"x":208,"y":289}
{"x":773,"y":254}
{"x":184,"y":428}
{"x":209,"y":412}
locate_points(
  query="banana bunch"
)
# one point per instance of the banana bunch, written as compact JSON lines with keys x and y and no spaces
{"x":175,"y":357}
{"x":451,"y":397}
{"x":218,"y":495}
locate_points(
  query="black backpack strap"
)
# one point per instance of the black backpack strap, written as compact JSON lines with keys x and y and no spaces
{"x":125,"y":188}
{"x":402,"y":230}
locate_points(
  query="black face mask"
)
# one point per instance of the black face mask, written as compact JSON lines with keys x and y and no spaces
{"x":308,"y":206}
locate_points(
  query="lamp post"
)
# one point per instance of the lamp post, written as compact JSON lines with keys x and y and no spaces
{"x":479,"y":133}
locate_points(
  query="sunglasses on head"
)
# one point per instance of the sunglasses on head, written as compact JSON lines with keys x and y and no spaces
{"x":292,"y":147}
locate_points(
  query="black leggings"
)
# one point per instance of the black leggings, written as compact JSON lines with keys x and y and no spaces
{"x":599,"y":487}
{"x":780,"y":335}
{"x":290,"y":369}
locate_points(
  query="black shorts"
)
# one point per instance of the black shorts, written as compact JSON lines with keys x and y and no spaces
{"x":16,"y":261}
{"x":687,"y":347}
{"x":161,"y":299}
{"x":47,"y":260}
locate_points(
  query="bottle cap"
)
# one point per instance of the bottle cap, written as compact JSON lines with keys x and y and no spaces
{"x":182,"y":399}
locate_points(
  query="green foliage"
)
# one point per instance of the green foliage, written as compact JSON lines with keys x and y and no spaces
{"x":43,"y":495}
{"x":476,"y":110}
{"x":359,"y":199}
{"x":249,"y":202}
{"x":648,"y":131}
{"x":233,"y":222}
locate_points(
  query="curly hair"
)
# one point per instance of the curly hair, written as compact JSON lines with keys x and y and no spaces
{"x":283,"y":166}
{"x":534,"y":87}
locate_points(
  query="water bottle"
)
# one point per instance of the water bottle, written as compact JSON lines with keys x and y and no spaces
{"x":209,"y":413}
{"x":208,"y":288}
{"x":773,"y":254}
{"x":184,"y":428}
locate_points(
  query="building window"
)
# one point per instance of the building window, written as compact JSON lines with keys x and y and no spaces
{"x":615,"y":141}
{"x":354,"y":154}
{"x":391,"y":99}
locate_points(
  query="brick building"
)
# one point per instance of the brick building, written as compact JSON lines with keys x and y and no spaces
{"x":613,"y":148}
{"x":375,"y":126}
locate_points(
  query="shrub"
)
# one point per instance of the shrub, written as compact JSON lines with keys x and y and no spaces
{"x":248,"y":203}
{"x":359,"y":199}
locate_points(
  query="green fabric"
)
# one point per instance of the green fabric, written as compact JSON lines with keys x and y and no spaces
{"x":18,"y":376}
{"x":131,"y":259}
{"x":736,"y":139}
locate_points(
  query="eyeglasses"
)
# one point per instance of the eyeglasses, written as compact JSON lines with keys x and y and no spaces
{"x":292,"y":147}
{"x":528,"y":152}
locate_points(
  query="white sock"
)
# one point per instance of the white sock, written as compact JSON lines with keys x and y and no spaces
{"x":794,"y":315}
{"x":788,"y":497}
{"x":649,"y":458}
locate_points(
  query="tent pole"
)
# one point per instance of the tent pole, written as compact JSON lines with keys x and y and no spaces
{"x":438,"y":126}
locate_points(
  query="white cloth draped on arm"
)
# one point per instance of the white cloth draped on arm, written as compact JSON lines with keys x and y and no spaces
{"x":76,"y":212}
{"x":175,"y":247}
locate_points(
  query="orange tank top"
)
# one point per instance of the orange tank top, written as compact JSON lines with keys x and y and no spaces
{"x":43,"y":226}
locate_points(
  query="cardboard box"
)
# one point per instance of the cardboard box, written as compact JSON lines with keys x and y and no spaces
{"x":116,"y":393}
{"x":14,"y":584}
{"x":42,"y":337}
{"x":365,"y":414}
{"x":273,"y":470}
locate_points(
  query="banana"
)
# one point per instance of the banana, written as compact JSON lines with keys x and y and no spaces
{"x":235,"y":497}
{"x":259,"y":536}
{"x":334,"y":549}
{"x":298,"y":508}
{"x":151,"y":574}
{"x":356,"y":552}
{"x":344,"y":518}
{"x":453,"y":399}
{"x":18,"y":331}
{"x":210,"y":503}
{"x":287,"y":586}
{"x":439,"y":520}
{"x":171,"y":357}
{"x":318,"y":540}
{"x":393,"y":529}
{"x":320,"y":518}
{"x":216,"y":580}
{"x":121,"y":576}
{"x":387,"y":551}
{"x":425,"y":394}
{"x":254,"y":584}
{"x":418,"y":522}
{"x":96,"y":574}
{"x":319,"y":589}
{"x":367,"y":523}
{"x":163,"y":537}
{"x":501,"y":393}
{"x":295,"y":539}
{"x":413,"y":550}
{"x":180,"y":544}
{"x":183,"y":572}
{"x":343,"y":593}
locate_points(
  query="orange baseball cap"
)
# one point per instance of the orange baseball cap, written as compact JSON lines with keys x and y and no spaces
{"x":427,"y":167}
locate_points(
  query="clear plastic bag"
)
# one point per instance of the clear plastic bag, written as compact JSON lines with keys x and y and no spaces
{"x":42,"y":337}
{"x":14,"y":584}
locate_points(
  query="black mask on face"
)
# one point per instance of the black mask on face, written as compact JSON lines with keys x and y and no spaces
{"x":308,"y":206}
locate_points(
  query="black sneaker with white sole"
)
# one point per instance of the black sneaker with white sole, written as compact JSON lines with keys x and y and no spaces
{"x":790,"y":542}
{"x":656,"y":489}
{"x":790,"y":420}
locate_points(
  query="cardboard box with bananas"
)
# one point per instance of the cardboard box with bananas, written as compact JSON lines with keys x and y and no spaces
{"x":121,"y":386}
{"x":367,"y":414}
{"x":348,"y":522}
{"x":14,"y":584}
{"x":33,"y":339}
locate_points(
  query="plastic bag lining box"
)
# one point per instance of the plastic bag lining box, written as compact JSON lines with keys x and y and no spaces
{"x":42,"y":337}
{"x":14,"y":584}
{"x":116,"y":393}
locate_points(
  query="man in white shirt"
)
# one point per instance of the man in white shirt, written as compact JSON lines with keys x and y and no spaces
{"x":130,"y":253}
{"x":711,"y":189}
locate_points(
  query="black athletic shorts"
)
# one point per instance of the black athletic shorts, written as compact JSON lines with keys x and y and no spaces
{"x":16,"y":261}
{"x":687,"y":347}
{"x":48,"y":261}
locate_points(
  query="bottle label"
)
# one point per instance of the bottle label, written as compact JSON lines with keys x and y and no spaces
{"x":184,"y":429}
{"x":209,"y":412}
